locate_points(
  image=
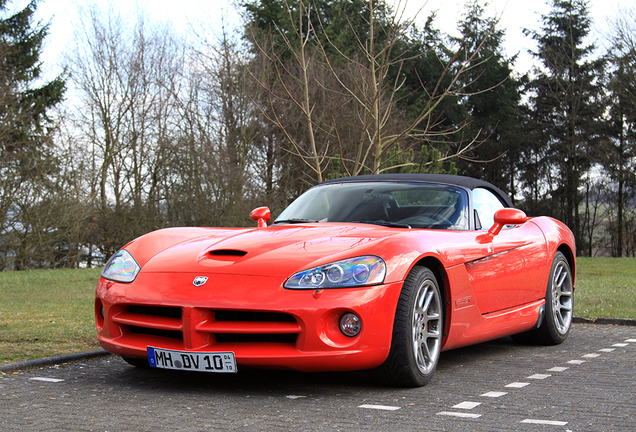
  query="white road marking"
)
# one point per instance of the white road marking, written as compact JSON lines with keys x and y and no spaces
{"x":53,"y":380}
{"x":539,"y":376}
{"x":517,"y":384}
{"x":459,"y":414}
{"x":294,"y":397}
{"x":467,"y":405}
{"x":494,"y":394}
{"x":545,"y":422}
{"x":380,"y":407}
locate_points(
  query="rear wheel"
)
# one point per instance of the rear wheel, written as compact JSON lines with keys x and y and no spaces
{"x":417,"y":331}
{"x":559,"y":302}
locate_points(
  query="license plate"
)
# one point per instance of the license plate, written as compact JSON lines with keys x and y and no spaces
{"x":220,"y":362}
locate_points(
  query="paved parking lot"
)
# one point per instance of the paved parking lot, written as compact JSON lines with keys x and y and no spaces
{"x":586,"y":384}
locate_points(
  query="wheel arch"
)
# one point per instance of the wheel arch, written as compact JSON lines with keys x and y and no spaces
{"x":559,"y":238}
{"x":569,"y":256}
{"x":399,"y":368}
{"x":436,"y":266}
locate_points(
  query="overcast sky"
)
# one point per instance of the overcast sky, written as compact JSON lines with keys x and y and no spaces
{"x":515,"y":16}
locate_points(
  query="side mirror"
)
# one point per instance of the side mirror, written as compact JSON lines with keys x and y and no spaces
{"x":507,"y":216}
{"x":261,"y":216}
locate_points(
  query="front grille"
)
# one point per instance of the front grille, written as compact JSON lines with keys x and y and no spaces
{"x":188,"y":328}
{"x":156,"y":321}
{"x":251,"y":316}
{"x":160,"y":311}
{"x":170,"y":334}
{"x":254,"y":327}
{"x":254,"y":338}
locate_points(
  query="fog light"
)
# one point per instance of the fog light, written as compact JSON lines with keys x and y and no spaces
{"x":350,"y":324}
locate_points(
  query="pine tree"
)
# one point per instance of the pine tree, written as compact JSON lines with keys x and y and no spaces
{"x":493,"y":102}
{"x":25,"y":102}
{"x":340,"y":22}
{"x":565,"y":107}
{"x":618,"y":154}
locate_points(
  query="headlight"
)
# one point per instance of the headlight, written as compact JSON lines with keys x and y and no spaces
{"x":121,"y":267}
{"x":352,"y":272}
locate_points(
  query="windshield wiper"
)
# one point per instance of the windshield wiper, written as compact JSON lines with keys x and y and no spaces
{"x":385,"y":223}
{"x":295,"y":221}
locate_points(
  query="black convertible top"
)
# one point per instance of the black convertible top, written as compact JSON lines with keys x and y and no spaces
{"x":467,"y":182}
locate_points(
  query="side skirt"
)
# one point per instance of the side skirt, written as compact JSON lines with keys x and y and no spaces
{"x":469,"y":327}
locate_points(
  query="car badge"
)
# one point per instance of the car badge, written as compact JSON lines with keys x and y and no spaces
{"x":199,"y":280}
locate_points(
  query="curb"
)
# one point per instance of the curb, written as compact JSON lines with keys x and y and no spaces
{"x":605,"y":321}
{"x":48,"y":361}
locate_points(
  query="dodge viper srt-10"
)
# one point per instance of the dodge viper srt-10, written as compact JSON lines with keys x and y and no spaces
{"x":375,"y":272}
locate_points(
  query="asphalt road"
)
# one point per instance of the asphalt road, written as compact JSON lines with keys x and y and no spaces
{"x":586,"y":384}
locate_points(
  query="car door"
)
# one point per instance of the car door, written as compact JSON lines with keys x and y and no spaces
{"x":515,"y":272}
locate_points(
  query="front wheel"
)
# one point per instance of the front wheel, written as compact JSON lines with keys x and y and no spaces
{"x":417,"y":331}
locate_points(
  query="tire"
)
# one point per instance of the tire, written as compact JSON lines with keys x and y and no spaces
{"x":559,"y":302}
{"x":137,"y":362}
{"x":417,"y":331}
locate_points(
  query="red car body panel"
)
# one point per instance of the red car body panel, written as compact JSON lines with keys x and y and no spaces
{"x":493,"y":286}
{"x":316,"y":322}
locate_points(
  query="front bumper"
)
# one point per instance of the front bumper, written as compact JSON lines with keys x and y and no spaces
{"x":264,"y":324}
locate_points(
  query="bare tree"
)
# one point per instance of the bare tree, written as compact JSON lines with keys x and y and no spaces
{"x":126,"y":109}
{"x":293,"y":85}
{"x":307,"y":79}
{"x":597,"y":211}
{"x":225,"y":104}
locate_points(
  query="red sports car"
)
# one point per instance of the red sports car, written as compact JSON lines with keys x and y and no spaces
{"x":379,"y":272}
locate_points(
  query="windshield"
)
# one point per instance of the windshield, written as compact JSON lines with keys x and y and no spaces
{"x":418,"y":205}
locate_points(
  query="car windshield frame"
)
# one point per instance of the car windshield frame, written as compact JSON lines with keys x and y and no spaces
{"x":419,"y":205}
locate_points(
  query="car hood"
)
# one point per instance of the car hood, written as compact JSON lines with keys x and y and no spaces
{"x":272,"y":251}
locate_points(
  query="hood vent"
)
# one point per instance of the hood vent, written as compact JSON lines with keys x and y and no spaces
{"x":227,"y":253}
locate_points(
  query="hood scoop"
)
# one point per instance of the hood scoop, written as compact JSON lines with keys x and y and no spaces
{"x":216,"y":257}
{"x":227,"y":253}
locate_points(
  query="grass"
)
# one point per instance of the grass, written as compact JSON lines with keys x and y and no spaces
{"x":605,"y":288}
{"x":46,"y":312}
{"x":50,"y":312}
